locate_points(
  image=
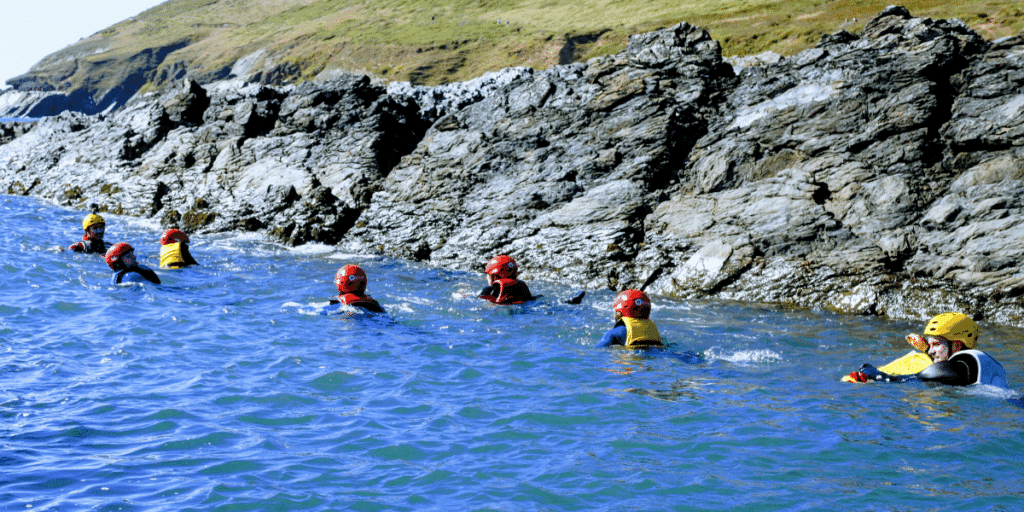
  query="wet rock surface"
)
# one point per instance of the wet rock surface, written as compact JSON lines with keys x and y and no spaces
{"x":878,"y":173}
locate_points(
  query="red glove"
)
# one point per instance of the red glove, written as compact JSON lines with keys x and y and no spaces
{"x":858,"y":376}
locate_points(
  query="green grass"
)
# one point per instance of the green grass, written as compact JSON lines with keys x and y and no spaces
{"x":438,"y":41}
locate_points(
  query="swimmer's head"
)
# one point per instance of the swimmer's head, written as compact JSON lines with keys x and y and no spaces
{"x":350,"y":279}
{"x":632,"y":304}
{"x":501,"y":267}
{"x":120,"y":256}
{"x":173,"y":236}
{"x":94,"y":226}
{"x":957,"y":328}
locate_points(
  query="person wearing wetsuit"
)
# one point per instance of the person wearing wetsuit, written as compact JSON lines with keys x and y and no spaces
{"x":951,"y":341}
{"x":121,"y":259}
{"x":174,"y":251}
{"x":351,"y":281}
{"x":633,"y":326}
{"x":92,"y":241}
{"x":503,"y":286}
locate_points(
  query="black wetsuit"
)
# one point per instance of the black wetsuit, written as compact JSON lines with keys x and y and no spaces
{"x":135,"y":274}
{"x":963,"y":368}
{"x":89,"y":246}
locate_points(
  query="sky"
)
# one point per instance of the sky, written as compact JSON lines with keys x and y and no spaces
{"x":34,"y":29}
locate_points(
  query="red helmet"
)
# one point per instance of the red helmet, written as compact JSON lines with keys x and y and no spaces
{"x":502,"y":267}
{"x":172,"y":236}
{"x":114,"y":254}
{"x":350,"y":279}
{"x":633,"y":304}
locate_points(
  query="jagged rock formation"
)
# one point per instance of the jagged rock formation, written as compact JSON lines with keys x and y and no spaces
{"x":560,"y":169}
{"x":879,"y":172}
{"x":300,"y":163}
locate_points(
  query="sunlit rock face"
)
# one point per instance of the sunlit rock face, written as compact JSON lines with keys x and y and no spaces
{"x":820,"y":174}
{"x":300,"y":163}
{"x":878,"y":173}
{"x":559,"y":169}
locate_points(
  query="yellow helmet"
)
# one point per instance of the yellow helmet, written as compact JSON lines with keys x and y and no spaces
{"x":91,"y":220}
{"x":954,"y":326}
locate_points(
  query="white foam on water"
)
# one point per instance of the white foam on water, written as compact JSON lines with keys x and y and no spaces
{"x":743,"y":356}
{"x":419,"y":301}
{"x":401,"y":307}
{"x":350,"y":256}
{"x":991,"y":391}
{"x":312,"y":249}
{"x":323,"y":308}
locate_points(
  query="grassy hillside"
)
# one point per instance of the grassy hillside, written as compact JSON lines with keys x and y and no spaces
{"x":435,"y":41}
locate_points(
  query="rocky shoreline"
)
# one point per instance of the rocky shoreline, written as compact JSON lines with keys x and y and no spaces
{"x":878,"y":173}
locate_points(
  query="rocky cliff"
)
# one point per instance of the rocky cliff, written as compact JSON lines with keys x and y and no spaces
{"x":879,"y":173}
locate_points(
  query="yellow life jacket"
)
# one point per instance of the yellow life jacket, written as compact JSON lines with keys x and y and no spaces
{"x":170,"y":256}
{"x":641,"y":333}
{"x":910,"y":364}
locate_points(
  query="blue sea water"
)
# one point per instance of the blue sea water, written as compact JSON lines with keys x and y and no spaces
{"x":224,"y":389}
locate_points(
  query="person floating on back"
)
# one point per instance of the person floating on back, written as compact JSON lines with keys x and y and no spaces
{"x":950,"y":341}
{"x":92,"y":241}
{"x":503,"y":287}
{"x":633,"y":326}
{"x":351,"y":281}
{"x":174,"y":251}
{"x":121,"y":259}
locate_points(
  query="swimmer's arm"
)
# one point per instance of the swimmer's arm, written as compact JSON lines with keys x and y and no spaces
{"x":954,"y":373}
{"x":488,"y":291}
{"x":187,"y":256}
{"x":616,"y":336}
{"x":874,"y":374}
{"x":375,"y":307}
{"x":148,"y":274}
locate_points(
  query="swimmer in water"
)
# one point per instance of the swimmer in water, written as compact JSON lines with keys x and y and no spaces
{"x":633,"y":326}
{"x":174,"y":251}
{"x":92,"y":241}
{"x":121,"y":259}
{"x":503,"y":286}
{"x":351,"y":281}
{"x":950,"y":340}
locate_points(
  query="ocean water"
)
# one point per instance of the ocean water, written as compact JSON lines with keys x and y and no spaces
{"x":225,"y":389}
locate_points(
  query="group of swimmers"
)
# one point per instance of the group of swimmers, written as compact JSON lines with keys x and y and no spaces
{"x":120,"y":257}
{"x":946,"y":353}
{"x":632,"y":308}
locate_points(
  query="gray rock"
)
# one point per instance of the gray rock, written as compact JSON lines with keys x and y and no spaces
{"x":558,"y":169}
{"x":300,"y":163}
